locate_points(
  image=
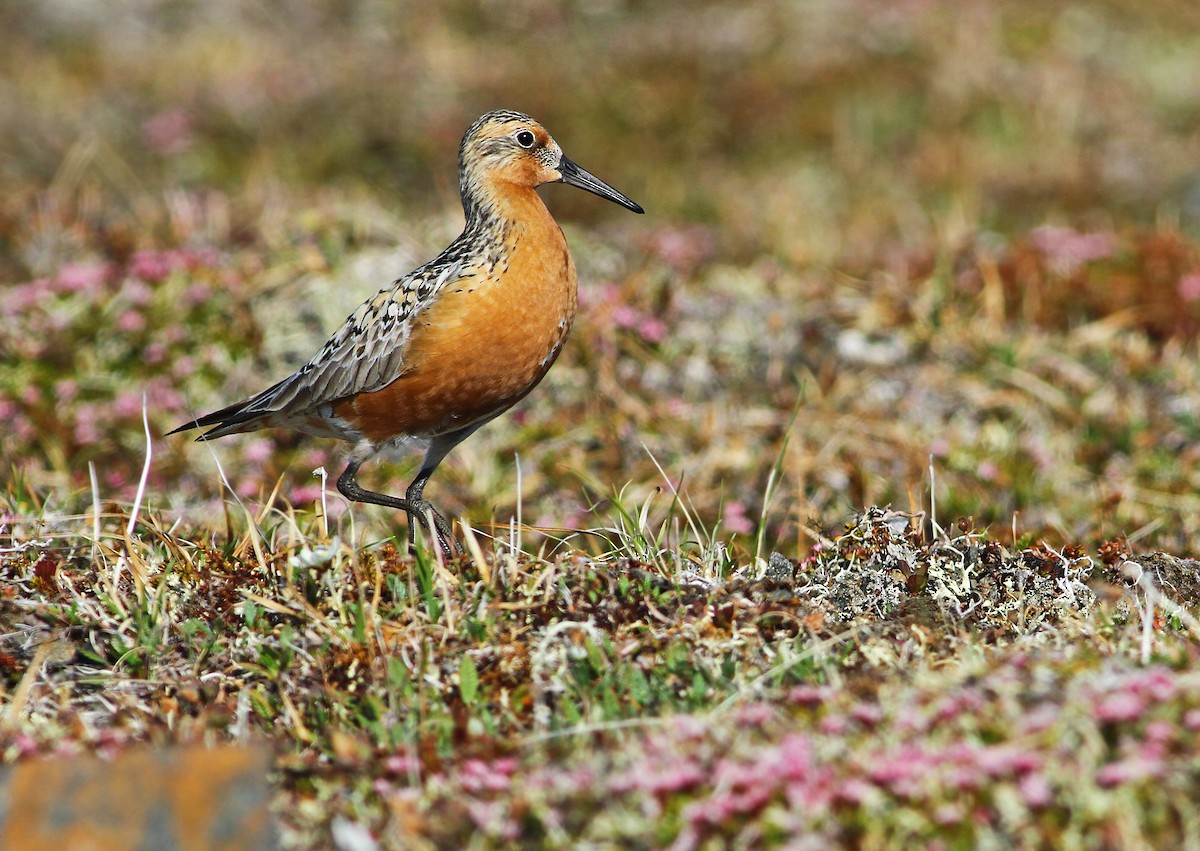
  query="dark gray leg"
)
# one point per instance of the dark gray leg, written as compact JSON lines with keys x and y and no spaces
{"x":418,"y":510}
{"x":439,"y":448}
{"x":415,"y":506}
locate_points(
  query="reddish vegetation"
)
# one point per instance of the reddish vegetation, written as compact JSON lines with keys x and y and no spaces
{"x":941,"y":257}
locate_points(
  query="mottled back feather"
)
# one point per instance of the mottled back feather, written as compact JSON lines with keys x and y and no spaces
{"x":369,"y":351}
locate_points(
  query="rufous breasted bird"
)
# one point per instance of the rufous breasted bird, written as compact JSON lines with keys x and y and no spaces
{"x":454,"y":343}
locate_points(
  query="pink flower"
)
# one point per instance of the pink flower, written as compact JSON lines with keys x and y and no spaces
{"x":1160,"y":732}
{"x":689,"y":728}
{"x":306,"y":494}
{"x":505,"y":764}
{"x":479,"y":776}
{"x":750,"y":800}
{"x":960,"y":703}
{"x":66,"y":389}
{"x":652,"y":329}
{"x":83,"y":277}
{"x":258,"y":450}
{"x":168,"y":132}
{"x":1041,"y":717}
{"x":813,"y":793}
{"x":684,"y":247}
{"x":317,"y":458}
{"x":834,"y":725}
{"x":136,"y":292}
{"x":735,"y":520}
{"x":963,"y":778}
{"x":624,"y":316}
{"x":149,"y":266}
{"x":731,"y":773}
{"x":983,"y":815}
{"x":67,"y":749}
{"x":195,"y":295}
{"x":1035,"y":791}
{"x":163,"y":397}
{"x":25,"y":744}
{"x":867,"y":714}
{"x":754,"y":714}
{"x":1067,"y":249}
{"x":1128,"y":770}
{"x":948,"y":814}
{"x":1119,"y":707}
{"x":854,"y":790}
{"x":130,"y":322}
{"x":183,"y":367}
{"x":606,"y":293}
{"x":86,"y":416}
{"x":1000,"y":760}
{"x":127,"y":404}
{"x":22,"y":297}
{"x":194,"y":258}
{"x":900,"y":770}
{"x":398,"y":764}
{"x":1157,"y":684}
{"x":1189,"y":287}
{"x":812,"y":696}
{"x":794,"y":757}
{"x":659,"y":781}
{"x":675,"y":406}
{"x":987,"y":470}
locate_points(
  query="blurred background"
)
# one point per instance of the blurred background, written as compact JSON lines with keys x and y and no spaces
{"x":882,"y":235}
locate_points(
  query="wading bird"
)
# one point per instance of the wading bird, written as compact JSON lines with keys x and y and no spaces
{"x":453,"y":344}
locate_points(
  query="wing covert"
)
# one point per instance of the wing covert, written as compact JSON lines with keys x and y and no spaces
{"x":367,"y":352}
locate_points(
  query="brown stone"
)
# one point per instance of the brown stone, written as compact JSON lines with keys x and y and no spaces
{"x":165,"y":798}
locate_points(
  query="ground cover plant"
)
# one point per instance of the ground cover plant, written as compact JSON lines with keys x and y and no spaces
{"x":860,"y":509}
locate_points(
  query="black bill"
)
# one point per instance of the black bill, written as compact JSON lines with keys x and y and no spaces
{"x":576,"y":176}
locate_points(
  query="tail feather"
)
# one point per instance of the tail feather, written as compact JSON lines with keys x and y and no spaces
{"x":231,"y":419}
{"x":227,"y":421}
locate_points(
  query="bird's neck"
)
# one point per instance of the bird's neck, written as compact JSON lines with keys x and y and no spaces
{"x":500,"y":205}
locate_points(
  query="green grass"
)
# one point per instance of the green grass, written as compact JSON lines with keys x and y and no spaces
{"x":859,"y":507}
{"x":383,"y":679}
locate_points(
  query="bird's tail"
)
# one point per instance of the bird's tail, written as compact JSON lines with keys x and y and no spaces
{"x":230,"y":420}
{"x":247,"y":415}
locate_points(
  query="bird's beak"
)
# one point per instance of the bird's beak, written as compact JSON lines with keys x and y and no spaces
{"x":576,"y":176}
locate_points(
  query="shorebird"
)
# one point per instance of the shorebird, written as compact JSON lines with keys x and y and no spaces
{"x":454,"y":343}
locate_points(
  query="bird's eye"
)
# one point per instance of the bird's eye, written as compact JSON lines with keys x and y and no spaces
{"x":525,"y":139}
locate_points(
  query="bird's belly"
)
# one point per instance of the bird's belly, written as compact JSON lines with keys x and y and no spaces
{"x":476,"y":352}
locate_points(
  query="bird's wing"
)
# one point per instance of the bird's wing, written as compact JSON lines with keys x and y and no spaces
{"x":366,"y":354}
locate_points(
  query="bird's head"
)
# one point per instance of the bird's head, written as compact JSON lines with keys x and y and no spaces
{"x":505,"y":147}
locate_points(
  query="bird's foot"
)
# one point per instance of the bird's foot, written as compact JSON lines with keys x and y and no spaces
{"x":421,"y":512}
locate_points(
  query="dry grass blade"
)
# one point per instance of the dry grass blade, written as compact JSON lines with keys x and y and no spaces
{"x":20,"y":695}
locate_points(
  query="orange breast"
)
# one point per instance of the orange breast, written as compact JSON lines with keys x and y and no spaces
{"x":483,"y":345}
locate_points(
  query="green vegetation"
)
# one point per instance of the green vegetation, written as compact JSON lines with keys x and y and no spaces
{"x":942,"y":257}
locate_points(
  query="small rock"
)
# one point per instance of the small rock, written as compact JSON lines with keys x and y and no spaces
{"x":176,"y":798}
{"x":780,"y":567}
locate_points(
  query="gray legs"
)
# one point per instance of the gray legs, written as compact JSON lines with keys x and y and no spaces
{"x":413,"y":502}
